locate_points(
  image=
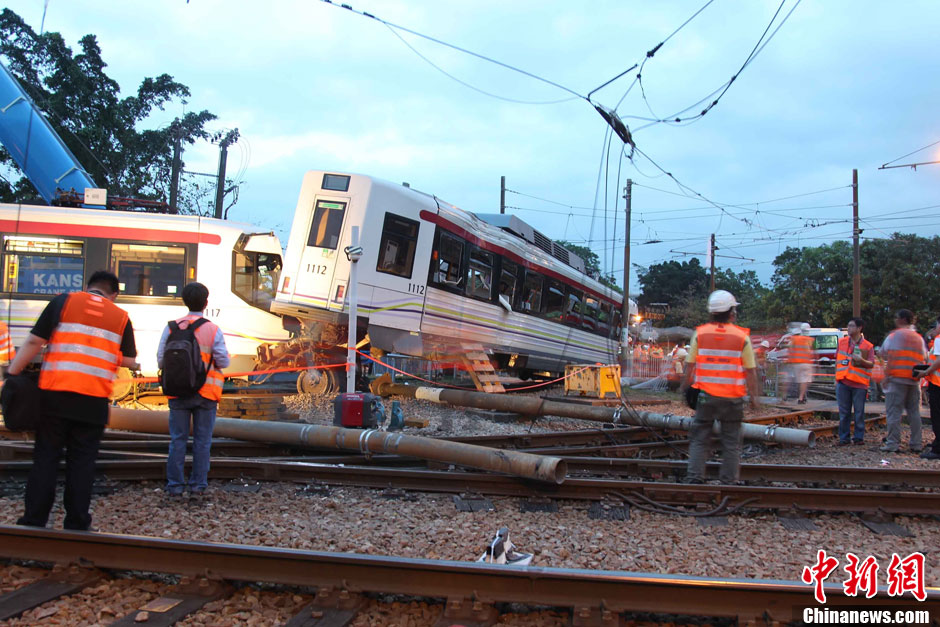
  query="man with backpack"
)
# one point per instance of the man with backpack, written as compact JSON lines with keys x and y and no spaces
{"x":191,"y":356}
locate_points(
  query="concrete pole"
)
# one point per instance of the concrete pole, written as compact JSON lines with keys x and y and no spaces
{"x":625,"y":307}
{"x":354,"y":252}
{"x":526,"y":465}
{"x":535,"y":406}
{"x":856,"y":274}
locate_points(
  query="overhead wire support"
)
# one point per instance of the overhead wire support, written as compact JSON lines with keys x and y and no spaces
{"x":887,"y":166}
{"x":913,"y":166}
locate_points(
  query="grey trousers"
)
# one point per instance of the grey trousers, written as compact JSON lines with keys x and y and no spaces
{"x":730,"y":413}
{"x":898,"y":399}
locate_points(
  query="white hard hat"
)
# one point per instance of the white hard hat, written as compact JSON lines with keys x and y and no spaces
{"x":765,"y":344}
{"x":804,"y":327}
{"x":720,"y":301}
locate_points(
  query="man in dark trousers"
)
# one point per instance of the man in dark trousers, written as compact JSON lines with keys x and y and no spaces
{"x":724,"y":373}
{"x":87,"y":338}
{"x":933,"y":390}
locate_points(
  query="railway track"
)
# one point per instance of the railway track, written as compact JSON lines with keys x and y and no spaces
{"x":658,"y":495}
{"x":472,"y":591}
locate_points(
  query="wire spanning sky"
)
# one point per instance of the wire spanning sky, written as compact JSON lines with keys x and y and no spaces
{"x":838,"y":85}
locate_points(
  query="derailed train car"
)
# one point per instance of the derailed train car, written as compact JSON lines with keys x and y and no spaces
{"x":434,"y":280}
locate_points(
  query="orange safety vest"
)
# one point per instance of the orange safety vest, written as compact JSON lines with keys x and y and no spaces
{"x":935,"y":377}
{"x":6,"y":343}
{"x":84,"y":351}
{"x":801,"y":349}
{"x":845,"y":369}
{"x":719,"y":362}
{"x":878,"y":372}
{"x":205,"y":336}
{"x":908,"y":351}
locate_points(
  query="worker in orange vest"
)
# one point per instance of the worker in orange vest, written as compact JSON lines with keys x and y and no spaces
{"x":199,"y":408}
{"x":87,"y":338}
{"x":903,"y":349}
{"x":800,"y":359}
{"x":933,"y":391}
{"x":855,"y":358}
{"x":724,"y":374}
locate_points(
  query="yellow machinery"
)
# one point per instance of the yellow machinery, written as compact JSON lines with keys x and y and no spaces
{"x":595,"y":381}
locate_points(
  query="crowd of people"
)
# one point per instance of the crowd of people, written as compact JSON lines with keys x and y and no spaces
{"x":722,"y":366}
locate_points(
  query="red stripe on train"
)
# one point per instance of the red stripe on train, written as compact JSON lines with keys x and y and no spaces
{"x":113,"y":232}
{"x":499,"y":250}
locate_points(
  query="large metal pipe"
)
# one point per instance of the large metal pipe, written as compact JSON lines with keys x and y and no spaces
{"x":535,"y":406}
{"x":527,"y":465}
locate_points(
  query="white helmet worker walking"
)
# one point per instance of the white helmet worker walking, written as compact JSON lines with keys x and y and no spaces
{"x":721,"y":300}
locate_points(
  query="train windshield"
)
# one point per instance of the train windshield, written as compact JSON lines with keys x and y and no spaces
{"x":255,"y":277}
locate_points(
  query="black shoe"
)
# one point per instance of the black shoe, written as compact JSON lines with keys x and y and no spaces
{"x":841,"y":443}
{"x":858,"y":442}
{"x":801,"y":402}
{"x":930,"y":454}
{"x":916,"y":450}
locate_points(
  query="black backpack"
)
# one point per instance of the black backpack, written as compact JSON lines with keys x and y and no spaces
{"x":184,"y":372}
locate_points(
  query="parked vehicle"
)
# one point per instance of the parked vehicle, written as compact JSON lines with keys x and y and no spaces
{"x":825,"y":344}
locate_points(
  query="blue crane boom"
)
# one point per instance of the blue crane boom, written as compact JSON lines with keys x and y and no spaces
{"x":35,"y":146}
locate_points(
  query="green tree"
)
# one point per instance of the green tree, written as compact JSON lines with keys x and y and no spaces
{"x":685,"y":286}
{"x":84,"y":106}
{"x":592,"y":264}
{"x":814,"y":284}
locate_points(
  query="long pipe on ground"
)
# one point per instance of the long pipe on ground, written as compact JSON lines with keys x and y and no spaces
{"x":527,"y":465}
{"x":535,"y":406}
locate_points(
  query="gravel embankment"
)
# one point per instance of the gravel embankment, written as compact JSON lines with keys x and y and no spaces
{"x":429,"y":526}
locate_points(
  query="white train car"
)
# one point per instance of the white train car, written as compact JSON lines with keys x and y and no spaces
{"x":435,"y":279}
{"x":49,"y":250}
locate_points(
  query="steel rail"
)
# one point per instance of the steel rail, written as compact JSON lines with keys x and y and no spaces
{"x":614,"y":591}
{"x":450,"y":481}
{"x":820,"y":475}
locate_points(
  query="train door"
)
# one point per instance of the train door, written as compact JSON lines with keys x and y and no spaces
{"x":400,"y":272}
{"x":321,"y":252}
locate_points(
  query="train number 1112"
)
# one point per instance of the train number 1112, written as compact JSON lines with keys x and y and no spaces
{"x":415,"y":288}
{"x":316,"y":268}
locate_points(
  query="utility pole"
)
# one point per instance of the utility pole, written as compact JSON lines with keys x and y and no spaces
{"x":625,"y":307}
{"x":175,"y":173}
{"x":502,"y":194}
{"x":230,"y":138}
{"x":711,"y":254}
{"x":856,"y":275}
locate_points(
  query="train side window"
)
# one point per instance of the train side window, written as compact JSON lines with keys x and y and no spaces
{"x":532,"y":293}
{"x":573,"y":308}
{"x":507,"y":281}
{"x":555,"y":300}
{"x":603,"y":320}
{"x":590,"y":310}
{"x":480,"y":274}
{"x":42,"y":265}
{"x":254,"y":277}
{"x":327,"y":224}
{"x":397,"y":247}
{"x":615,"y":327}
{"x":149,"y":270}
{"x":449,"y":256}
